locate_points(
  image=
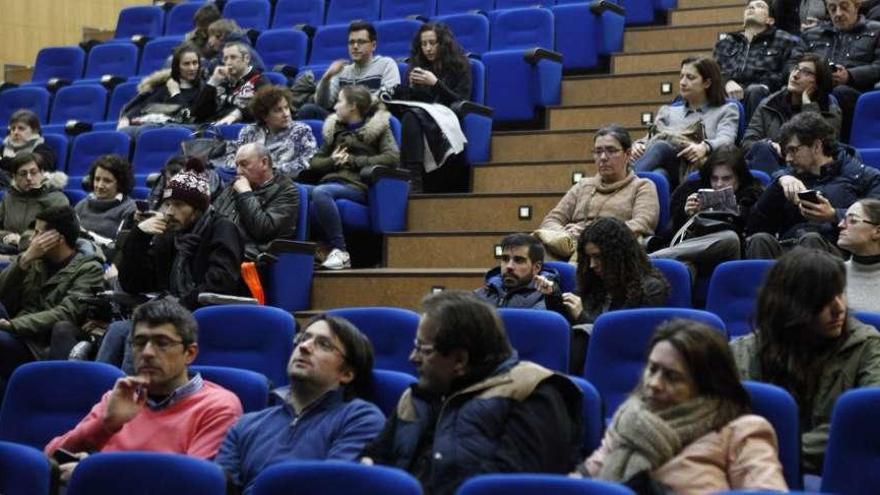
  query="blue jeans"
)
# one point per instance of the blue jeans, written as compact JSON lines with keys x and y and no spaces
{"x":115,"y":348}
{"x":660,"y":156}
{"x":13,"y":353}
{"x":761,"y":156}
{"x":327,"y":219}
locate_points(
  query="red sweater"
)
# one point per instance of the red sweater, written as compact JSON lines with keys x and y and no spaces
{"x":194,"y":426}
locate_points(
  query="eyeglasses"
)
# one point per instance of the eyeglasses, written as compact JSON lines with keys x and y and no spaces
{"x":24,"y":174}
{"x":609,"y":152}
{"x":322,"y":342}
{"x":159,"y":342}
{"x":803,"y":71}
{"x":790,"y":150}
{"x":423,"y":350}
{"x":358,"y":42}
{"x":854,"y":220}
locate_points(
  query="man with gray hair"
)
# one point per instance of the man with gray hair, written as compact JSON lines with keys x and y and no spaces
{"x":264,"y":205}
{"x":231,"y":87}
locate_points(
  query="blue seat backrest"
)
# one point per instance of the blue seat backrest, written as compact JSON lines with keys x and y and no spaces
{"x":854,"y":444}
{"x":283,"y":46}
{"x":122,"y":94}
{"x":145,"y":20}
{"x":539,"y":336}
{"x":345,"y":11}
{"x":59,"y":144}
{"x":460,"y":6}
{"x":662,"y":185}
{"x":733,"y":292}
{"x":397,"y":36}
{"x":679,"y":278}
{"x":63,"y":62}
{"x":392,"y":332}
{"x":156,"y":53}
{"x":33,"y":98}
{"x":470,"y":30}
{"x":567,"y":274}
{"x":387,"y":388}
{"x":522,"y":29}
{"x":329,"y":43}
{"x":780,"y":409}
{"x":116,"y":59}
{"x":400,"y":9}
{"x":289,"y":13}
{"x":249,"y":14}
{"x":89,"y":146}
{"x":179,"y":19}
{"x":866,"y":121}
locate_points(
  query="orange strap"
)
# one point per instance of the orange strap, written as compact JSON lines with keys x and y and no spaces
{"x":252,"y":278}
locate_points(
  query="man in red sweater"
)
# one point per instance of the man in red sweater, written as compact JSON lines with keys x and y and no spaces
{"x":161,"y":408}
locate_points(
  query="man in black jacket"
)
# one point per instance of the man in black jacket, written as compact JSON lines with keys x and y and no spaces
{"x":230,"y":88}
{"x":262,"y":204}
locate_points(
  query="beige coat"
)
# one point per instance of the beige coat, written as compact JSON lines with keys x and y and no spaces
{"x":632,"y":200}
{"x":741,"y":455}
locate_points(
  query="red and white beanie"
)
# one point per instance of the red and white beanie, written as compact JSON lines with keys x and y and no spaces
{"x":190,"y":185}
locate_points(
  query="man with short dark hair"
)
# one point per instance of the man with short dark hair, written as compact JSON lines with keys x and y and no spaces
{"x":477,"y":408}
{"x":40,"y":287}
{"x":518,"y":281}
{"x":321,"y":415}
{"x":161,"y":407}
{"x":787,"y":214}
{"x":31,"y":192}
{"x":374,"y":72}
{"x":264,"y":205}
{"x":852,"y":44}
{"x":227,"y":96}
{"x":756,"y":60}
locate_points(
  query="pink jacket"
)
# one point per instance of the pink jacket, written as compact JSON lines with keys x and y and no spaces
{"x":741,"y":455}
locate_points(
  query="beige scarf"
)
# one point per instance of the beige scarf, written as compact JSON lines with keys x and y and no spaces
{"x":645,"y":440}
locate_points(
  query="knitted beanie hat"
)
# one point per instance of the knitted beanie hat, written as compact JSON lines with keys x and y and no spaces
{"x":190,"y":185}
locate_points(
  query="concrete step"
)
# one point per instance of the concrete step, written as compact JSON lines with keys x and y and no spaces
{"x":595,"y":116}
{"x":638,"y":63}
{"x":387,"y":286}
{"x":528,"y":177}
{"x":531,"y":146}
{"x":707,"y":15}
{"x":668,"y":38}
{"x":442,"y":249}
{"x":485,"y":212}
{"x":619,"y":89}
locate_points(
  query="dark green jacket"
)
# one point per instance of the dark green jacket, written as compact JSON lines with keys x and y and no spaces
{"x":856,"y":364}
{"x":37,"y":299}
{"x":19,"y":209}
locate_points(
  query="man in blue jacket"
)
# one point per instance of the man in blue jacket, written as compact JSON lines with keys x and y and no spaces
{"x":520,"y":277}
{"x":476,"y":408}
{"x":320,"y":416}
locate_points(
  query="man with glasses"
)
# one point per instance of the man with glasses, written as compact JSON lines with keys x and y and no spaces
{"x":809,"y":198}
{"x":755,"y":60}
{"x":321,"y":414}
{"x":161,"y":407}
{"x":228,"y":94}
{"x":477,"y":408}
{"x":29,"y":194}
{"x":852,"y":45}
{"x":375,"y":72}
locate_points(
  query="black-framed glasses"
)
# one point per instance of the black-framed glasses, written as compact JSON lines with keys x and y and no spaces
{"x":159,"y":342}
{"x":322,"y":342}
{"x":792,"y":149}
{"x":423,"y":350}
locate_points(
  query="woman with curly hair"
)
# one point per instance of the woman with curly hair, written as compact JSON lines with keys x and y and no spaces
{"x":613,"y":272}
{"x":806,"y":342}
{"x":438,"y":75}
{"x":687,"y":428}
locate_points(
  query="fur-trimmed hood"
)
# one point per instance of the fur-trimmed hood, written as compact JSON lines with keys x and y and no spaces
{"x":372,"y":130}
{"x":51,"y":181}
{"x":154,"y":80}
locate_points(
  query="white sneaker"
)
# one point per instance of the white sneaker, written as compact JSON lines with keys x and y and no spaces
{"x":337,"y":260}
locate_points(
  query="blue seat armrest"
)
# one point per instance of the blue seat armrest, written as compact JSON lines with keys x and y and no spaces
{"x":464,"y":107}
{"x":373,"y":173}
{"x":281,"y":246}
{"x":535,"y":55}
{"x":599,"y":6}
{"x":306,"y":28}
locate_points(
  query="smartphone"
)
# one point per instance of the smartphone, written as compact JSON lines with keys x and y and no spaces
{"x":142,"y":205}
{"x":63,"y":456}
{"x":810,"y":196}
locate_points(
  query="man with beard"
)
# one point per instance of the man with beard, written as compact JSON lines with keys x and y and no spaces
{"x":160,"y":407}
{"x":184,"y":249}
{"x":521,"y":281}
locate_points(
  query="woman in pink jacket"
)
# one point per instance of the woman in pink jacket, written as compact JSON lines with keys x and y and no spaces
{"x":686,"y":428}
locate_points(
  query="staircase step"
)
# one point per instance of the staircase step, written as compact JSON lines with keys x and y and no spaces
{"x":573,"y":144}
{"x":595,"y":116}
{"x":707,"y":15}
{"x":403,"y":288}
{"x":485,"y":212}
{"x":442,"y":249}
{"x":619,"y":89}
{"x":638,"y":63}
{"x":668,"y":38}
{"x":528,"y":177}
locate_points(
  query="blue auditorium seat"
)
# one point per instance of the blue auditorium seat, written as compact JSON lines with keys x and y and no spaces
{"x":539,"y":336}
{"x":156,"y":53}
{"x":33,"y":98}
{"x":576,"y":22}
{"x":470,"y":30}
{"x":111,"y":59}
{"x":82,"y":102}
{"x":461,"y":6}
{"x":89,"y":146}
{"x":402,"y":9}
{"x":539,"y":484}
{"x":523,"y":74}
{"x":329,"y":43}
{"x":868,"y":317}
{"x":255,"y":338}
{"x":74,"y":196}
{"x":144,"y":20}
{"x":154,"y":147}
{"x":619,"y":344}
{"x":249,"y":14}
{"x":283,"y":47}
{"x":733,"y":292}
{"x":289,"y":13}
{"x":866,"y":121}
{"x":334,"y":478}
{"x":179,"y":19}
{"x":345,"y":11}
{"x":679,"y":278}
{"x":23,"y":470}
{"x":567,"y":274}
{"x":61,"y":62}
{"x":854,"y":444}
{"x":392,"y":332}
{"x":779,"y":408}
{"x":146,"y":472}
{"x":662,"y":185}
{"x":594,"y":416}
{"x":252,"y":388}
{"x":387,"y":387}
{"x":395,"y":36}
{"x":59,"y":144}
{"x":121,"y":95}
{"x":288,"y":280}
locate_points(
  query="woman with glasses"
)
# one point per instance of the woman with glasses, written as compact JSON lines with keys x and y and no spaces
{"x":860,"y":236}
{"x":687,"y":428}
{"x":613,"y":272}
{"x":615,"y":191}
{"x":808,"y":90}
{"x":30,"y":193}
{"x":684,"y":134}
{"x":25,"y":136}
{"x":806,"y":342}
